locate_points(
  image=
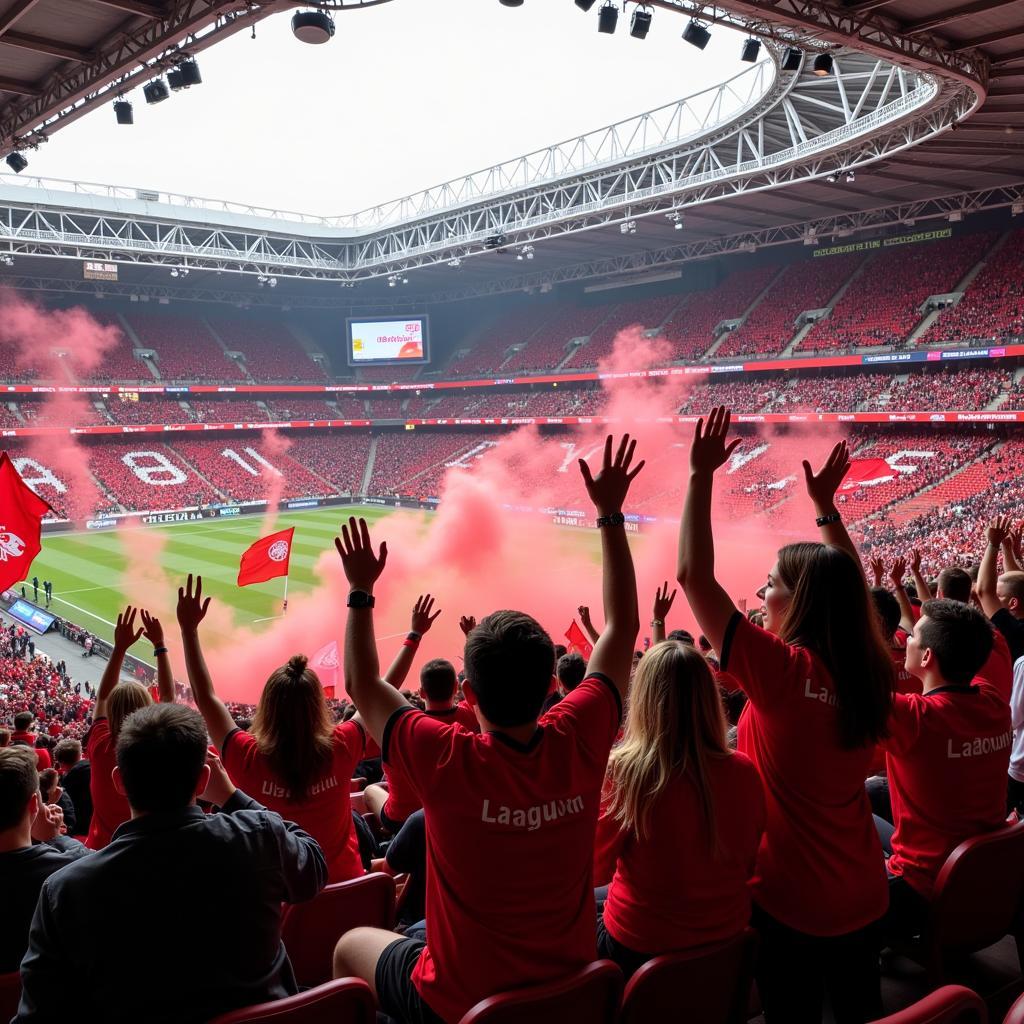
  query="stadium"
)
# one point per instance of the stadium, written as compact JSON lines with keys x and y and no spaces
{"x":828,"y":241}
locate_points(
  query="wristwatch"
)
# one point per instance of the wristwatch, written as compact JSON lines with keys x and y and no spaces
{"x":615,"y":519}
{"x":360,"y":599}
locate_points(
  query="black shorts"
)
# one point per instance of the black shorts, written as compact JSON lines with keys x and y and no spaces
{"x":628,"y":960}
{"x":396,"y":994}
{"x":389,"y":823}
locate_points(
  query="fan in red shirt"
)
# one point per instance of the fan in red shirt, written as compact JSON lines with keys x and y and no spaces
{"x":948,"y":752}
{"x":394,"y":799}
{"x":820,"y":685}
{"x":24,"y":736}
{"x":511,"y":812}
{"x":682,"y":817}
{"x":295,"y":760}
{"x":115,"y":701}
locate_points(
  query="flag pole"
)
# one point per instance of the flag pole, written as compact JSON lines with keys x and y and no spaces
{"x":285,"y":609}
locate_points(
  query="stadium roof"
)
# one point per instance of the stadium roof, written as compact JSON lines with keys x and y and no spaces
{"x":59,"y":57}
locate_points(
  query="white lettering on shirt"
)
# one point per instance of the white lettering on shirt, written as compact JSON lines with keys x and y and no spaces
{"x":822,"y":695}
{"x":281,"y":793}
{"x":530,"y":818}
{"x":979,"y":745}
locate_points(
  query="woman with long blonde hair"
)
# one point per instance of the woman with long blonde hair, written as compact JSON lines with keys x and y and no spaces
{"x":682,"y":817}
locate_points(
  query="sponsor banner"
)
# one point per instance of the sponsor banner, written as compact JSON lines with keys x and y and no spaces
{"x":883,"y":243}
{"x":303,"y":503}
{"x":185,"y":515}
{"x":100,"y":524}
{"x":229,"y":510}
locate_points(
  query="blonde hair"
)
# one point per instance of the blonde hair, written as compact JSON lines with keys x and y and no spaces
{"x":675,"y":725}
{"x":293,"y":728}
{"x":125,"y":699}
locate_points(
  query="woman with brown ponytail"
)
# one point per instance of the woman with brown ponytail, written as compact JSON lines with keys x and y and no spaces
{"x":294,"y":760}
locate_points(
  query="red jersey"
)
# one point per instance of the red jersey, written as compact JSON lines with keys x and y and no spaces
{"x":109,"y":808}
{"x":402,"y":800}
{"x":820,"y":868}
{"x":326,"y":813}
{"x":672,"y":891}
{"x":948,"y":755}
{"x":28,"y":739}
{"x":510,"y":845}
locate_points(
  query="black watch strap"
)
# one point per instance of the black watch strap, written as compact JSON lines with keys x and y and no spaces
{"x":360,"y":599}
{"x":615,"y":519}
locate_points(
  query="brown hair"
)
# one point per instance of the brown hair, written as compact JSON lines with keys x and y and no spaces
{"x":19,"y":779}
{"x":293,"y":727}
{"x":125,"y":699}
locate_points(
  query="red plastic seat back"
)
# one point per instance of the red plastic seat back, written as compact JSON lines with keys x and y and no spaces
{"x":311,"y":930}
{"x":345,"y":1001}
{"x":10,"y":995}
{"x":979,"y":892}
{"x":710,"y":985}
{"x":951,"y":1004}
{"x":1016,"y":1013}
{"x":590,"y":995}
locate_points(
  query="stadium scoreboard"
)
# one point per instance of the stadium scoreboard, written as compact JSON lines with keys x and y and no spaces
{"x":388,"y":341}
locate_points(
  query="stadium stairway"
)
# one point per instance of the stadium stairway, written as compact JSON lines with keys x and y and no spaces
{"x":802,"y":333}
{"x":371,"y":458}
{"x":717,"y":343}
{"x":227,"y":354}
{"x":137,"y":343}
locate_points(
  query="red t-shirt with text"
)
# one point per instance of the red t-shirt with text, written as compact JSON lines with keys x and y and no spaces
{"x":673,"y":890}
{"x":820,"y":868}
{"x":326,"y":813}
{"x":510,"y":845}
{"x":109,"y":808}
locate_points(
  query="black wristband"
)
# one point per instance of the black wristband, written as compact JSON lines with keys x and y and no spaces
{"x":827,"y":520}
{"x":615,"y":519}
{"x":361,"y":599}
{"x":157,"y":651}
{"x":413,"y":635}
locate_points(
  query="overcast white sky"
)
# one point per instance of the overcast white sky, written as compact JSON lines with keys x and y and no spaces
{"x":406,"y":95}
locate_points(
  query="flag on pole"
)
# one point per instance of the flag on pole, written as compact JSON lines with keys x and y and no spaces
{"x":21,"y":513}
{"x":578,"y":641}
{"x":266,"y":559}
{"x":867,"y":473}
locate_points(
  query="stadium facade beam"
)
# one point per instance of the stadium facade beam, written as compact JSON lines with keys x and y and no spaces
{"x":14,"y":13}
{"x":37,"y":44}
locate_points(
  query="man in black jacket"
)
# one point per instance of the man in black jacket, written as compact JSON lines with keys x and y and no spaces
{"x":178,"y":918}
{"x":75,"y":777}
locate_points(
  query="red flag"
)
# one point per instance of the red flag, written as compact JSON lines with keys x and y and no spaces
{"x":21,"y":513}
{"x":267,"y":558}
{"x":578,"y":641}
{"x":867,"y":473}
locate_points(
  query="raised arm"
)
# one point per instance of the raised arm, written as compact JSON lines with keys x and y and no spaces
{"x":695,"y":568}
{"x":125,"y":634}
{"x":1012,"y":549}
{"x":988,"y":571}
{"x":375,"y":699}
{"x":154,"y":632}
{"x":877,"y":572}
{"x":587,"y":623}
{"x":613,"y":649}
{"x":822,"y":487}
{"x":663,"y":602}
{"x":924,"y":592}
{"x":191,"y":611}
{"x":896,"y":574}
{"x":422,"y":620}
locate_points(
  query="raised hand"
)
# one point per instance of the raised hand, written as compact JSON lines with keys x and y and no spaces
{"x":191,"y":606}
{"x":220,"y":788}
{"x":609,"y":488}
{"x":822,"y":486}
{"x":897,"y":572}
{"x":998,"y":530}
{"x":915,"y":561}
{"x":422,"y":620}
{"x":125,"y":633}
{"x":467,"y":623}
{"x":152,"y":628}
{"x":663,"y":601}
{"x":48,"y":823}
{"x":709,"y":450}
{"x":877,"y":571}
{"x":584,"y":614}
{"x":362,"y":567}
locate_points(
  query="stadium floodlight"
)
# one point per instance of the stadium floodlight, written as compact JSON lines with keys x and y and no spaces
{"x":832,"y":178}
{"x":823,"y":65}
{"x":585,"y":5}
{"x":16,"y":162}
{"x":175,"y":79}
{"x":751,"y":50}
{"x":850,"y":176}
{"x":190,"y":72}
{"x":123,"y":112}
{"x":641,"y":23}
{"x":511,"y":3}
{"x":608,"y":17}
{"x":791,"y":59}
{"x":314,"y":27}
{"x":1016,"y":209}
{"x":156,"y":91}
{"x":696,"y":34}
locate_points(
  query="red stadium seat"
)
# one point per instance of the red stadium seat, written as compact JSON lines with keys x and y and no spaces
{"x":311,"y":930}
{"x":977,"y":899}
{"x":10,"y":994}
{"x":345,"y":1001}
{"x":590,"y":995}
{"x":952,"y":1004}
{"x":1015,"y":1015}
{"x":711,"y":986}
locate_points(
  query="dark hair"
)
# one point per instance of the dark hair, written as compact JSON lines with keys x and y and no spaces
{"x":19,"y":779}
{"x":958,"y":635}
{"x":22,"y":721}
{"x":161,"y":750}
{"x":5,"y":736}
{"x":704,"y":643}
{"x":887,"y":609}
{"x":438,"y":681}
{"x":1013,"y":583}
{"x":683,"y":636}
{"x":571,"y":671}
{"x":560,"y":651}
{"x":830,"y":614}
{"x":955,"y":584}
{"x":68,"y":752}
{"x":509,"y":661}
{"x":47,"y":783}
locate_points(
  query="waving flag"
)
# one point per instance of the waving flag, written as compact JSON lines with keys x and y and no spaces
{"x":266,"y":559}
{"x":867,"y":473}
{"x":21,"y":513}
{"x":579,"y":641}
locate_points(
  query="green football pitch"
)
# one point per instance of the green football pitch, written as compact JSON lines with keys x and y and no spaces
{"x":88,"y":569}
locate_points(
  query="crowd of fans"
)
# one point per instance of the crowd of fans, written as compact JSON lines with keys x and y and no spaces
{"x":185,"y":349}
{"x":272,"y":353}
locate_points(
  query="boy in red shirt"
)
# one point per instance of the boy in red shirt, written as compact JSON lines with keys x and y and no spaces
{"x":510,"y":813}
{"x":947,"y":752}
